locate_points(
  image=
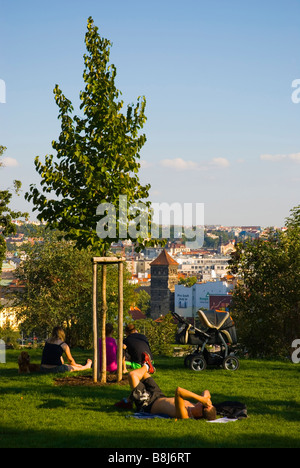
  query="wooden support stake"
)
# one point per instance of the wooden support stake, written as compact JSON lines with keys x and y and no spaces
{"x":96,"y":369}
{"x":95,"y":324}
{"x":120,"y":325}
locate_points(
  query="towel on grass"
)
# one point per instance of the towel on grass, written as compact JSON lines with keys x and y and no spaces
{"x":165,"y":416}
{"x":148,"y":416}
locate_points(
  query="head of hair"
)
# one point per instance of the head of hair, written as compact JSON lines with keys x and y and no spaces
{"x":130,"y":328}
{"x":109,"y":329}
{"x":210,"y":413}
{"x":58,"y":334}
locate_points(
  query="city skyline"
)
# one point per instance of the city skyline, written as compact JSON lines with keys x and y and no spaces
{"x":221,"y":85}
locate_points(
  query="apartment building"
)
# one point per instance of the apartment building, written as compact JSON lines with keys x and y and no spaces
{"x":206,"y":267}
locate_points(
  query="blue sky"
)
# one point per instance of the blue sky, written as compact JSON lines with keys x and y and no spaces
{"x":217,"y":76}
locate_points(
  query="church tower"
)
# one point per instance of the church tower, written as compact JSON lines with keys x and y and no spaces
{"x":164,"y":276}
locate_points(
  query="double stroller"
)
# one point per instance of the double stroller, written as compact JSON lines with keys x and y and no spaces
{"x":215,"y":344}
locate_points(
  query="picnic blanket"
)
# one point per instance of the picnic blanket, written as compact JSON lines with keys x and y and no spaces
{"x":228,"y":411}
{"x":164,"y":416}
{"x":148,"y":416}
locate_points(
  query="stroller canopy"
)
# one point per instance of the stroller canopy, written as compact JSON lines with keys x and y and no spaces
{"x":216,"y":320}
{"x":220,"y":321}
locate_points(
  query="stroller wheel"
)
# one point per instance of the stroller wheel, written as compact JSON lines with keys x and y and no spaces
{"x":198,"y":363}
{"x":231,"y":363}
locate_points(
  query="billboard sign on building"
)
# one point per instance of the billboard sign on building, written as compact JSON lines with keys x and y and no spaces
{"x":2,"y":352}
{"x":200,"y":296}
{"x":219,"y":302}
{"x":184,"y":301}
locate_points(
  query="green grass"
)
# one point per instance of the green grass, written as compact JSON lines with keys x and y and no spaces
{"x":37,"y":413}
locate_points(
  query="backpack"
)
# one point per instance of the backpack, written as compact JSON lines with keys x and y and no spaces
{"x":232,"y":410}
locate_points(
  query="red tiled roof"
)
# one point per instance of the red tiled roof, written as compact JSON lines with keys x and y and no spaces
{"x":164,"y":259}
{"x":136,"y":313}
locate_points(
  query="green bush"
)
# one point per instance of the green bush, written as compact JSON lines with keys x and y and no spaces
{"x":9,"y":336}
{"x":161,"y":334}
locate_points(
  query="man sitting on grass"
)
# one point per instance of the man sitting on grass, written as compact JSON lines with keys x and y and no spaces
{"x":149,"y":398}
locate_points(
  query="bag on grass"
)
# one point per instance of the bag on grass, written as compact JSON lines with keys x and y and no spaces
{"x":232,"y":409}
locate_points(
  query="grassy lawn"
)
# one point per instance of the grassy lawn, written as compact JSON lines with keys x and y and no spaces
{"x":37,"y":413}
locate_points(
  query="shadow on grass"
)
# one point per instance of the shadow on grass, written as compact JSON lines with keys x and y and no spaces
{"x":53,"y":404}
{"x":121,"y":439}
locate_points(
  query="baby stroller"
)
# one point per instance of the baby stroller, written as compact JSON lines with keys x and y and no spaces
{"x":219,"y":333}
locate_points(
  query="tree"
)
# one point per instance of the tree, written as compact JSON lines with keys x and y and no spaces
{"x":97,"y":155}
{"x":188,"y":282}
{"x":57,"y":290}
{"x":266,"y":300}
{"x":7,"y":215}
{"x":97,"y":162}
{"x":143,"y":302}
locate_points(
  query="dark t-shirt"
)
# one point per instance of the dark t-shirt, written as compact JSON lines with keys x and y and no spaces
{"x":52,"y":354}
{"x":145,"y":395}
{"x":137,"y":344}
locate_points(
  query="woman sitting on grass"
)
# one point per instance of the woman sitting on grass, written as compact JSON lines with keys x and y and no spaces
{"x":52,"y":360}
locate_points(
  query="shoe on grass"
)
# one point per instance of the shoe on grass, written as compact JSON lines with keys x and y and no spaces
{"x":147,"y":361}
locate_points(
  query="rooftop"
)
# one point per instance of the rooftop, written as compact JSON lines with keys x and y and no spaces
{"x":164,"y":259}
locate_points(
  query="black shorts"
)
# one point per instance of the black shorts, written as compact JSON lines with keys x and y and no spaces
{"x":145,"y":394}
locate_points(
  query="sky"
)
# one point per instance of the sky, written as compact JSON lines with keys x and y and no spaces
{"x":223,"y":116}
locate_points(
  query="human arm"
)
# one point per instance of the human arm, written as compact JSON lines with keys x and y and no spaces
{"x":68,"y":354}
{"x":182,"y":394}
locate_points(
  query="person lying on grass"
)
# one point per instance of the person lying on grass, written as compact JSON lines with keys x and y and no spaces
{"x":149,"y":398}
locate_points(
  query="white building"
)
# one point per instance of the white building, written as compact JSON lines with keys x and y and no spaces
{"x":206,"y":267}
{"x":189,"y":300}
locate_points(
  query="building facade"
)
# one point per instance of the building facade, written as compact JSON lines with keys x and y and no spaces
{"x":164,"y":277}
{"x":189,"y":300}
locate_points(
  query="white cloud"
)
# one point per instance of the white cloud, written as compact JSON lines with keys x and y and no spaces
{"x":221,"y":162}
{"x":280,"y":157}
{"x":145,"y":164}
{"x":180,"y":164}
{"x":10,"y":162}
{"x":295,"y":157}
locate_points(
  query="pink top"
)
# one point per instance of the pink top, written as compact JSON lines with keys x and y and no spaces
{"x":111,"y":354}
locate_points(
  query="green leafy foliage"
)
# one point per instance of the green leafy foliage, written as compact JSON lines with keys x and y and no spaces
{"x":266,"y":300}
{"x":57,"y":280}
{"x":161,"y":334}
{"x":97,"y":153}
{"x":7,"y":215}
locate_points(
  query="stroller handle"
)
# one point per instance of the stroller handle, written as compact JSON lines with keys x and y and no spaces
{"x":185,"y":322}
{"x":179,"y":318}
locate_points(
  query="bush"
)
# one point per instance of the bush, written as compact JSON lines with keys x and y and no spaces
{"x":161,"y":335}
{"x":9,"y":336}
{"x":266,"y":299}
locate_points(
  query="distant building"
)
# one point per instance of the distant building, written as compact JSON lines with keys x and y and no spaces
{"x":204,"y":267}
{"x":201,"y":296}
{"x":164,"y":277}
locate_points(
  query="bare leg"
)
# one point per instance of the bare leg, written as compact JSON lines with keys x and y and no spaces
{"x":79,"y":367}
{"x":137,"y":375}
